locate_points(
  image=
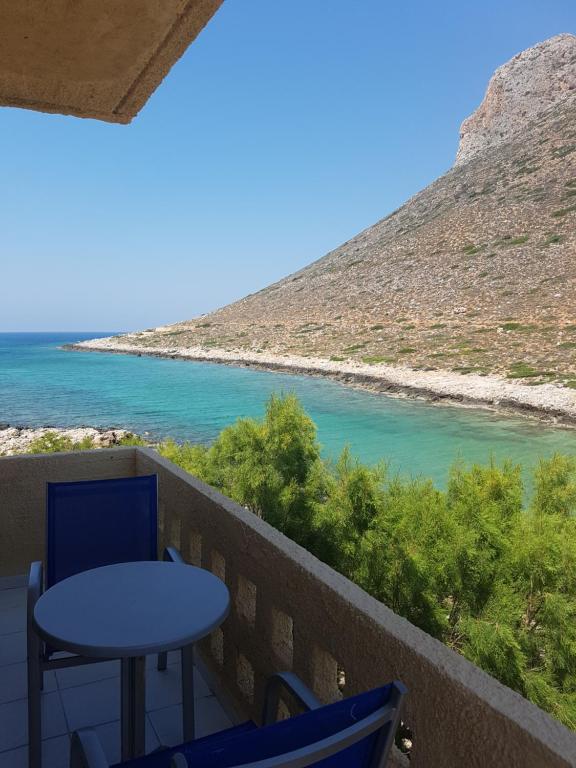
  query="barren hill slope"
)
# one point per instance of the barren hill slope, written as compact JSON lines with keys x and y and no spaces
{"x":475,"y":273}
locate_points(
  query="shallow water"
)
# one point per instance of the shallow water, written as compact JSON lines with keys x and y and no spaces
{"x":42,"y":384}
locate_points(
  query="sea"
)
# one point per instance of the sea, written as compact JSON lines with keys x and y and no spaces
{"x":42,"y":384}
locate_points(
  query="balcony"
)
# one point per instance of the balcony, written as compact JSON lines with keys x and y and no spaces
{"x":289,"y":611}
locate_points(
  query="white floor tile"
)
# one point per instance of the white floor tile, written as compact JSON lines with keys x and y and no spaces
{"x":12,"y":648}
{"x":164,"y":689}
{"x":92,"y":704}
{"x":11,"y":598}
{"x":12,"y":582}
{"x":87,"y":673}
{"x":168,"y":725}
{"x":210,"y":718}
{"x":12,"y":617}
{"x":14,"y":721}
{"x":14,"y":685}
{"x":109,"y":735}
{"x":55,"y":754}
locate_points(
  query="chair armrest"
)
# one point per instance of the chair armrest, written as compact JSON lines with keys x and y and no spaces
{"x":86,"y":750}
{"x":34,"y":582}
{"x":34,"y":591}
{"x":295,"y":686}
{"x":172,"y":555}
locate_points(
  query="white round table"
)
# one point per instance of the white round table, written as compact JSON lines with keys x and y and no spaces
{"x":127,"y":611}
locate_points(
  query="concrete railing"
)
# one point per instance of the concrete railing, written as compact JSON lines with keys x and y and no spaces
{"x":290,"y":611}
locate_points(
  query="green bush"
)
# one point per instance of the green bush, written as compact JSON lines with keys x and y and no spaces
{"x":492,"y":577}
{"x":375,"y":359}
{"x":52,"y":442}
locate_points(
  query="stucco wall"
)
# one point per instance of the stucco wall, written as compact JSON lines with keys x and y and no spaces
{"x":93,"y":58}
{"x":23,"y":496}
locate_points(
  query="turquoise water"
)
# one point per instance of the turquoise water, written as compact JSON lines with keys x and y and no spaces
{"x":41,"y":384}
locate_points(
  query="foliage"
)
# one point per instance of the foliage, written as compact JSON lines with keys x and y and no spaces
{"x":131,"y":440}
{"x":273,"y":467}
{"x":478,"y":566}
{"x":474,"y":566}
{"x":54,"y":442}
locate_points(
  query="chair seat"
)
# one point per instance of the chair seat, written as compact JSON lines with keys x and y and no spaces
{"x":200,"y":749}
{"x":247,"y":743}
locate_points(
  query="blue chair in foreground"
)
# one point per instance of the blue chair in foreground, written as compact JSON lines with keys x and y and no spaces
{"x":88,"y":524}
{"x":357,"y":732}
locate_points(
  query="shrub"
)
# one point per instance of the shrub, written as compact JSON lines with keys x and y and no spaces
{"x":553,"y":239}
{"x":53,"y":442}
{"x":564,"y":211}
{"x":471,"y":566}
{"x":375,"y":359}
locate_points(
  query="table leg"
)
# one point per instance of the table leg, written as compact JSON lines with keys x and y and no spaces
{"x":188,"y":716}
{"x":133,"y":707}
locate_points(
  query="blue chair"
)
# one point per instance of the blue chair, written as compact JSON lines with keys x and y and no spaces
{"x":357,"y":732}
{"x":88,"y":524}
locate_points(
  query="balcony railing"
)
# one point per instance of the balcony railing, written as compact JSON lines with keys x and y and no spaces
{"x":290,"y":611}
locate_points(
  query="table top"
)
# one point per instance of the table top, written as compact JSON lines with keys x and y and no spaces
{"x":131,"y":609}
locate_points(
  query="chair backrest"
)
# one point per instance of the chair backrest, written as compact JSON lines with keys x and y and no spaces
{"x":99,"y":522}
{"x":357,"y":732}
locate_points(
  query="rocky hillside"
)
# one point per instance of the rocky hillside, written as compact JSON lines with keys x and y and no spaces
{"x":523,"y":88}
{"x":475,"y":273}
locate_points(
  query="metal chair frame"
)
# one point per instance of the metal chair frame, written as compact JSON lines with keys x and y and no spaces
{"x":87,"y":751}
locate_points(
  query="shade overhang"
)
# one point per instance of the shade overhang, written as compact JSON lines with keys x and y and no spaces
{"x":93,"y":58}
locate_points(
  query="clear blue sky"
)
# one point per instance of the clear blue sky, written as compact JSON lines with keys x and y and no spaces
{"x":287,"y":127}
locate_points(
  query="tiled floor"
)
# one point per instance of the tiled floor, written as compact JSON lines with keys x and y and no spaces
{"x":78,"y":697}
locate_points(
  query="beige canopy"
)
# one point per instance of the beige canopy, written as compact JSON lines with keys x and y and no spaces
{"x":93,"y":58}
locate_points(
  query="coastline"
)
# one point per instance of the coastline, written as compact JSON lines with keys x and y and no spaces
{"x":17,"y":439}
{"x":546,"y":402}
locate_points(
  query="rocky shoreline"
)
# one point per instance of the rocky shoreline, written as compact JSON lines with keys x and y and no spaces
{"x":546,"y":402}
{"x":18,"y":439}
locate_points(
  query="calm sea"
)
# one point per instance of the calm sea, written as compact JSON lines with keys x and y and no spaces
{"x":40,"y":384}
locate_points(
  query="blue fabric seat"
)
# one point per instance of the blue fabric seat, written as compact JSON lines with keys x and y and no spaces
{"x":205,"y":749}
{"x":357,"y":732}
{"x":100,"y":522}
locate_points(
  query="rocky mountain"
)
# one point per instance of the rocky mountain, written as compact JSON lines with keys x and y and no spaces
{"x":527,"y":85}
{"x":475,"y":273}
